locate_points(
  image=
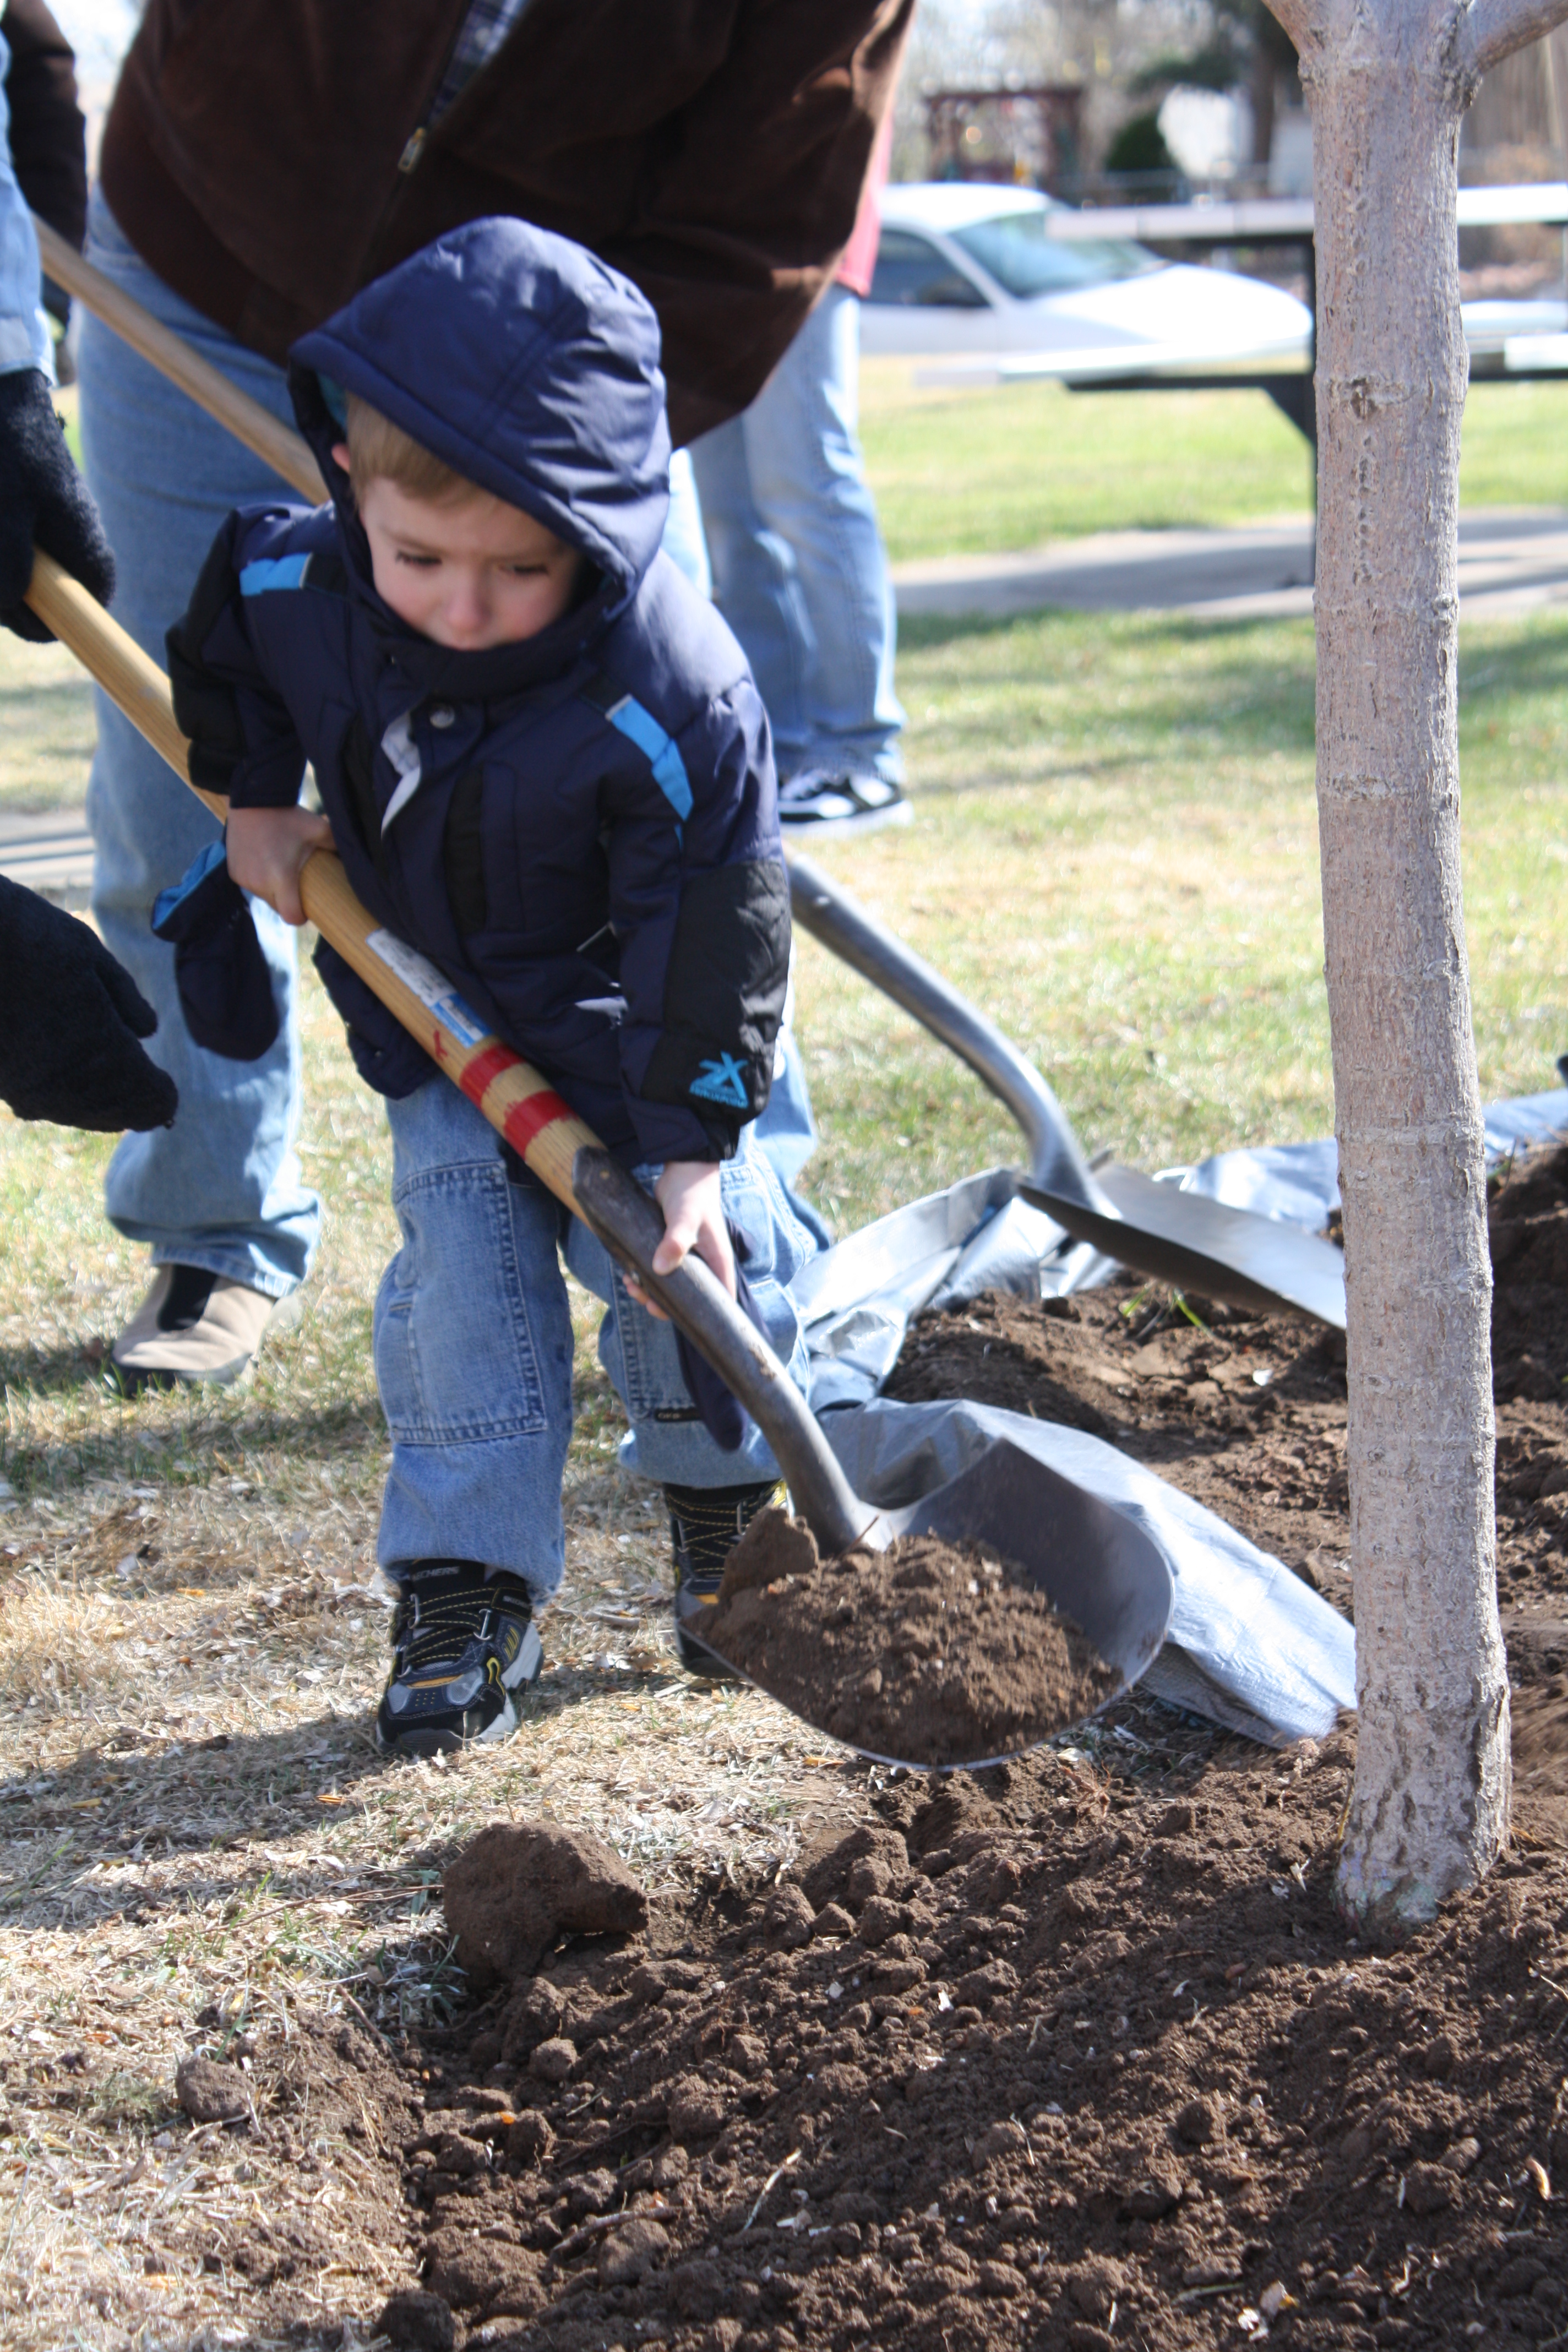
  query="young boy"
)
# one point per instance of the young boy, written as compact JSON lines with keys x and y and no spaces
{"x":544,"y":764}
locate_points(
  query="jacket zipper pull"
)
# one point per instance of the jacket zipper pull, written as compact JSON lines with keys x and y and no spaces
{"x":414,"y":149}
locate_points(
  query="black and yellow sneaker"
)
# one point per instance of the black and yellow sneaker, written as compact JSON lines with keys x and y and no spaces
{"x":706,"y":1523}
{"x":464,"y":1648}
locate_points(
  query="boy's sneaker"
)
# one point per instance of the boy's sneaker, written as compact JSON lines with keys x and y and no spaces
{"x":192,"y":1326}
{"x":464,"y":1649}
{"x":706,"y":1523}
{"x":836,"y":801}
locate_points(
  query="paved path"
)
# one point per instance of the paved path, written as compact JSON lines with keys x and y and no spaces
{"x":1513,"y":560}
{"x":53,"y":853}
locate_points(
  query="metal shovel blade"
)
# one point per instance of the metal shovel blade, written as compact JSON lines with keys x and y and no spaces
{"x":1092,"y":1564}
{"x":1200,"y":1244}
{"x":1180,"y":1237}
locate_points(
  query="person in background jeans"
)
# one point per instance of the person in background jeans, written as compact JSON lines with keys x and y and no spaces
{"x":799,"y":569}
{"x":258,"y":167}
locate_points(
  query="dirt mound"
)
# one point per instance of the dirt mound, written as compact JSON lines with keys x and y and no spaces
{"x":519,"y":1887}
{"x":928,"y":1653}
{"x":1528,"y":1219}
{"x":1040,"y":2057}
{"x":1246,"y":1413}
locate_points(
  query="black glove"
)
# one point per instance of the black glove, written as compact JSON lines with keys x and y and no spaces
{"x":67,"y":1044}
{"x":225,"y":988}
{"x":43,"y":501}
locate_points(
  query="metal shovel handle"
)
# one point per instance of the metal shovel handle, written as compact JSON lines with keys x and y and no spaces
{"x":561,"y":1149}
{"x":1055,"y":1157}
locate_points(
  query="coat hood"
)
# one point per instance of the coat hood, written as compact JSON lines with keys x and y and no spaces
{"x":528,"y":365}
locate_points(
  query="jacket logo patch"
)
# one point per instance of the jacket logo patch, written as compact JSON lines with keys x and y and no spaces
{"x":721,"y":1081}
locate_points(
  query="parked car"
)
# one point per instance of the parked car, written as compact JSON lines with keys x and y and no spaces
{"x":971,"y":272}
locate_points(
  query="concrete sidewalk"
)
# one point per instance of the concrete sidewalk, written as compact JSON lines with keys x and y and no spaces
{"x":1513,"y":560}
{"x":52,"y":854}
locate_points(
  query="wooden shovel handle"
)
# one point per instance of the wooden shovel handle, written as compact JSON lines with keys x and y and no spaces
{"x":510,"y":1092}
{"x":560,"y":1148}
{"x":276,"y":444}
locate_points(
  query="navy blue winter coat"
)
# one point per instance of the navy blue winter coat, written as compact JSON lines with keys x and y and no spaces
{"x":591,"y":854}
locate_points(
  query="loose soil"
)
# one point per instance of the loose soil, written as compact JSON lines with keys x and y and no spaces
{"x":928,"y":1653}
{"x":1060,"y":2054}
{"x":1038,"y":2056}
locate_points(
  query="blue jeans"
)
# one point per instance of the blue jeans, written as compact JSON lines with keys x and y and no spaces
{"x":799,"y":569}
{"x":473,"y":1346}
{"x":222,"y":1188}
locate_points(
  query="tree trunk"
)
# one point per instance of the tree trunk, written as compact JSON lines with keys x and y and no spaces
{"x":1386,"y":86}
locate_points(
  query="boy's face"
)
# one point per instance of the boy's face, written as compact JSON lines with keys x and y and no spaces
{"x":468,"y":572}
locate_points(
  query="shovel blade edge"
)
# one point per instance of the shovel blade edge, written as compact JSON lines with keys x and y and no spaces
{"x":1201,"y":1244}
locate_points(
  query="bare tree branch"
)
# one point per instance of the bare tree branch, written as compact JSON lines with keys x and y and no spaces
{"x":1493,"y":29}
{"x":1295,"y":15}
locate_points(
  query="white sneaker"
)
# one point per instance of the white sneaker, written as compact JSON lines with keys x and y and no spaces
{"x":834,"y":800}
{"x":192,"y":1326}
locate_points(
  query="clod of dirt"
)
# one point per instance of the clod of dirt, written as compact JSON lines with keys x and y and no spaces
{"x":695,"y":2110}
{"x":519,"y":1887}
{"x":554,"y":2060}
{"x":1196,"y":2123}
{"x":211,"y":2093}
{"x":629,"y":2253}
{"x":414,"y":2321}
{"x":926,"y":1653}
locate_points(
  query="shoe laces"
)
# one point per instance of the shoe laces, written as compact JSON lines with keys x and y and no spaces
{"x":434,"y":1627}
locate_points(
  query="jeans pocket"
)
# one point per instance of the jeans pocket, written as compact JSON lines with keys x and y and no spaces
{"x":456,"y":1358}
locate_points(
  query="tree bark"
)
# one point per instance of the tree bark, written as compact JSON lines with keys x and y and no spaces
{"x":1388,"y":84}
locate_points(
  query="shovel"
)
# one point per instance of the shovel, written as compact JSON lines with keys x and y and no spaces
{"x":1180,"y":1237}
{"x":1090,"y":1562}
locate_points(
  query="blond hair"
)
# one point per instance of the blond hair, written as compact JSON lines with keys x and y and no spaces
{"x":379,"y":450}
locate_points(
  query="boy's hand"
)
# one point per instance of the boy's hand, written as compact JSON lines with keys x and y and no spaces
{"x":687,"y":1192}
{"x":267,"y":849}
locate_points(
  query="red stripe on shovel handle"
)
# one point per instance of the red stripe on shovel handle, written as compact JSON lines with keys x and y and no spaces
{"x":479,"y":1074}
{"x":525,"y":1122}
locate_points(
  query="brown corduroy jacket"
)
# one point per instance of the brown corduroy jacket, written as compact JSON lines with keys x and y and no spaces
{"x":267,"y":157}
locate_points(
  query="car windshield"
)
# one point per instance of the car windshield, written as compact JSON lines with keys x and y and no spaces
{"x":913,"y":273}
{"x":1021,"y":255}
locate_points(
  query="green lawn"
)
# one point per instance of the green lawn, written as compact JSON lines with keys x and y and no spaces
{"x":1116,"y":855}
{"x":972,"y":472}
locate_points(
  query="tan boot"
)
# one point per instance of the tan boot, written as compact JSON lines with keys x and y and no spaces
{"x":192,"y":1326}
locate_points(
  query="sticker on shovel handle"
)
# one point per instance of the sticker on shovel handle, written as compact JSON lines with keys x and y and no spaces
{"x":431,"y":987}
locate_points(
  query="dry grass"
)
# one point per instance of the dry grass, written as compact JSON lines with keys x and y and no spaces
{"x":193,"y":1815}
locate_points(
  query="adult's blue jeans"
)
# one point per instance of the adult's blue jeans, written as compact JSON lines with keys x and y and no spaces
{"x":799,"y":569}
{"x":473,"y":1346}
{"x":222,"y":1188}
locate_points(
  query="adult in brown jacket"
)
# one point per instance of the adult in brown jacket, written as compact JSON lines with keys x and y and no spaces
{"x":261,"y":160}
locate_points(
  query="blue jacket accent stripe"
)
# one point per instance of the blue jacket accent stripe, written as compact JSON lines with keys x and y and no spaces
{"x":643,"y":729}
{"x":277,"y":571}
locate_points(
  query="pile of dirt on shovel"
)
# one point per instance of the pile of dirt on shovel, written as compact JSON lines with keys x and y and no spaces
{"x":928,"y":1653}
{"x":1049,"y":2055}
